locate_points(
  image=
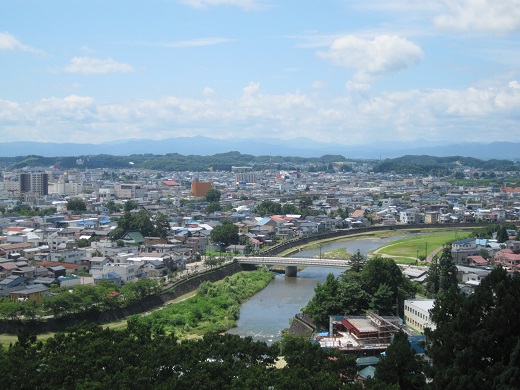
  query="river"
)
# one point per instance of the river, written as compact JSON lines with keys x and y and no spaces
{"x":268,"y":312}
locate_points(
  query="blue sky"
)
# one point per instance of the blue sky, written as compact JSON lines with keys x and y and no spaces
{"x":341,"y":71}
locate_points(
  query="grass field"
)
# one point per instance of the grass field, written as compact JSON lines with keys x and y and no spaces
{"x":408,"y":249}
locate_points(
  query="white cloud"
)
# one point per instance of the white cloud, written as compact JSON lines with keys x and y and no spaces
{"x":514,"y":84}
{"x":252,"y":89}
{"x":385,"y":53}
{"x":10,"y":42}
{"x":209,"y":92}
{"x":245,"y":4}
{"x":89,"y":65}
{"x":354,"y":86}
{"x":482,"y":114}
{"x":488,"y":16}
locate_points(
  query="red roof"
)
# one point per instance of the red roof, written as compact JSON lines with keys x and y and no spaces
{"x":170,"y":183}
{"x":13,"y":229}
{"x":358,"y":213}
{"x":56,"y":263}
{"x":478,"y":260}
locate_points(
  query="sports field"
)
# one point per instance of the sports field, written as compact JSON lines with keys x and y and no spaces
{"x":407,"y":250}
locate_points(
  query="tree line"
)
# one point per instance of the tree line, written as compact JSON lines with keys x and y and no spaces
{"x":376,"y":284}
{"x":81,"y":299}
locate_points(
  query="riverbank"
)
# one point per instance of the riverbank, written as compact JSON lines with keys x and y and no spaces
{"x":214,"y":309}
{"x":173,"y":290}
{"x":439,"y":237}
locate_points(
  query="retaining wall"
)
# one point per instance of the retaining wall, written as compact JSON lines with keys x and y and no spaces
{"x":172,"y":291}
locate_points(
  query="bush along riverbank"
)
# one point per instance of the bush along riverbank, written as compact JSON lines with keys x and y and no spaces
{"x":214,"y":309}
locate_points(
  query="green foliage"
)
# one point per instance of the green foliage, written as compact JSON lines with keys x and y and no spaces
{"x":475,"y":343}
{"x":148,"y":224}
{"x":383,"y":301}
{"x":304,"y":359}
{"x":502,"y":235}
{"x":140,"y":357}
{"x":442,"y":274}
{"x":215,"y":308}
{"x":100,"y":297}
{"x":440,"y":166}
{"x":400,"y":366}
{"x":268,"y":207}
{"x":77,"y":206}
{"x":357,"y":261}
{"x":112,"y":206}
{"x":82,"y":243}
{"x":130,"y":205}
{"x":225,"y":234}
{"x":489,"y":230}
{"x":212,"y":207}
{"x":379,"y":285}
{"x":213,"y":195}
{"x":173,"y":162}
{"x":9,"y":309}
{"x":28,"y":211}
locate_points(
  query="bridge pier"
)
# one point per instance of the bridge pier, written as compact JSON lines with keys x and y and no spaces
{"x":291,"y":271}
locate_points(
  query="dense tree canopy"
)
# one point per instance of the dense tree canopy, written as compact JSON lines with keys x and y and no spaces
{"x":268,"y":207}
{"x":379,"y":285}
{"x":213,"y":195}
{"x":476,"y":341}
{"x":148,"y":224}
{"x":77,"y":206}
{"x":212,"y":207}
{"x":400,"y":366}
{"x":89,"y":357}
{"x":225,"y":234}
{"x":442,"y":274}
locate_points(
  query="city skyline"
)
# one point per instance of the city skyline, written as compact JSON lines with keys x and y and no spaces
{"x":343,"y":72}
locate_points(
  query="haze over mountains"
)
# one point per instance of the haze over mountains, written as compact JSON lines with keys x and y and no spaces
{"x":266,"y":146}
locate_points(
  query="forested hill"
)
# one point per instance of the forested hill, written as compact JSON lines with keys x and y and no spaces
{"x":410,"y":164}
{"x":174,"y":161}
{"x":441,"y":166}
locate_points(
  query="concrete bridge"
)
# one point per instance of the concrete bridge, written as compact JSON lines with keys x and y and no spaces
{"x":291,"y":264}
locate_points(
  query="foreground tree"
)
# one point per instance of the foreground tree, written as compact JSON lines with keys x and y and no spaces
{"x":357,"y":261}
{"x":442,"y":274}
{"x":400,"y":365}
{"x":89,"y":357}
{"x":380,"y":285}
{"x":475,"y":343}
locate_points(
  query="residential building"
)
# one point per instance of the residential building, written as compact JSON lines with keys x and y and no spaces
{"x":34,"y":183}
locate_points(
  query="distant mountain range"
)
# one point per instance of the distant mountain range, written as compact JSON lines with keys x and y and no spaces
{"x":302,"y":147}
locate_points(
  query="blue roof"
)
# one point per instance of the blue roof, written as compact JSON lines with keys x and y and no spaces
{"x":109,"y":275}
{"x":367,"y":372}
{"x":415,"y":343}
{"x":263,"y":221}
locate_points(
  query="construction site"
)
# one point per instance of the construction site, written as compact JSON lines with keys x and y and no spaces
{"x":361,"y":335}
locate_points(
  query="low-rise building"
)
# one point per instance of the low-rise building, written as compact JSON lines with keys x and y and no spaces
{"x":417,"y":314}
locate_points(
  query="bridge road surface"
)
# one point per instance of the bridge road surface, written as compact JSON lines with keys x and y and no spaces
{"x":291,"y":264}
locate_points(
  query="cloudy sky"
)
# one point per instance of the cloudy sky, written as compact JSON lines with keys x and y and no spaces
{"x":342,"y":71}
